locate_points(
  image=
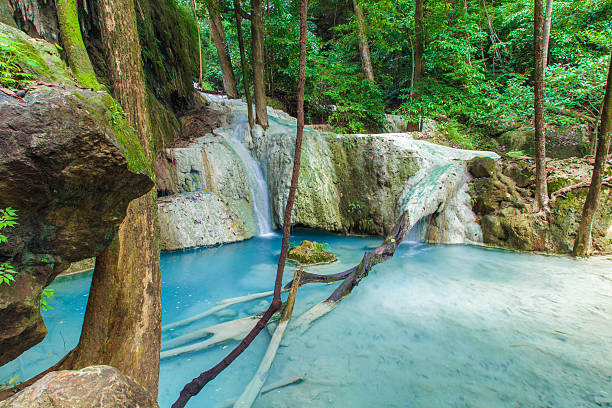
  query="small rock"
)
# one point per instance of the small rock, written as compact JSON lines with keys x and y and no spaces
{"x":310,"y":253}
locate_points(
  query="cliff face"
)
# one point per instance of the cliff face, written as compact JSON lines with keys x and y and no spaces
{"x":69,"y":164}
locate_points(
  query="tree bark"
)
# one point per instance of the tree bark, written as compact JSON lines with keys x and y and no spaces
{"x":195,"y":16}
{"x":540,"y":137}
{"x":72,"y":39}
{"x":243,"y":63}
{"x":259,"y":76}
{"x":122,"y":326}
{"x":547,"y":25}
{"x":418,"y":39}
{"x":364,"y":47}
{"x":196,"y":385}
{"x":582,"y":244}
{"x":225,"y":62}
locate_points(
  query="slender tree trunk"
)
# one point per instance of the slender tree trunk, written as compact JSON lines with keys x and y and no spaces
{"x":540,"y":137}
{"x":582,"y":244}
{"x":197,"y":21}
{"x":196,"y":385}
{"x":364,"y":47}
{"x":259,"y":76}
{"x":243,"y":63}
{"x":547,"y":25}
{"x":122,"y":326}
{"x":70,"y":33}
{"x":418,"y":39}
{"x":225,"y":62}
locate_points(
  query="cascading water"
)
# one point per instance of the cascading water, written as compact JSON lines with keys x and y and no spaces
{"x":259,"y":188}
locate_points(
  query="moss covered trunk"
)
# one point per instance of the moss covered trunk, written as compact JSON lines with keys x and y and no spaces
{"x":364,"y":47}
{"x":122,"y":324}
{"x":70,"y":32}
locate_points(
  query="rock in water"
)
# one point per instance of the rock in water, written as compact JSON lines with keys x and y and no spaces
{"x":95,"y":386}
{"x":310,"y":253}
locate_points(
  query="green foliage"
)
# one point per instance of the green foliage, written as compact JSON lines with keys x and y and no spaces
{"x":11,"y":74}
{"x":47,"y":293}
{"x":8,"y":219}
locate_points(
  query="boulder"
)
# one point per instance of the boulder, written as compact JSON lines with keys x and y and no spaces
{"x":95,"y":386}
{"x":310,"y":253}
{"x":69,"y":165}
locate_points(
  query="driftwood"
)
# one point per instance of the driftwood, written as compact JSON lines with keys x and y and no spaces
{"x":219,"y":306}
{"x":251,"y":392}
{"x":272,"y":387}
{"x":370,"y":258}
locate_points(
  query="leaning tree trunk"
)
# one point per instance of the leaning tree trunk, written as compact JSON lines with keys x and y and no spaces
{"x":541,"y":204}
{"x":582,"y":244}
{"x":364,"y":47}
{"x":418,"y":40}
{"x":196,"y":385}
{"x":547,"y":25}
{"x":70,"y":32}
{"x":243,"y":63}
{"x":259,"y":76}
{"x":225,"y":62}
{"x":122,"y":326}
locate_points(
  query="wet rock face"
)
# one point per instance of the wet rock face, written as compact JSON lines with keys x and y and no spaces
{"x":95,"y":386}
{"x":63,"y":168}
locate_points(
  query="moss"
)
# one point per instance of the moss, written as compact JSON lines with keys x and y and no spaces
{"x":557,"y":184}
{"x":310,"y":253}
{"x":127,"y":138}
{"x":72,"y":39}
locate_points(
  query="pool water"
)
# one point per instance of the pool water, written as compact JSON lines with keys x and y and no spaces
{"x":436,"y":326}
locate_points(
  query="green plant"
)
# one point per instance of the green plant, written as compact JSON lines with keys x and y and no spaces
{"x":8,"y":219}
{"x":11,"y":74}
{"x":44,"y":298}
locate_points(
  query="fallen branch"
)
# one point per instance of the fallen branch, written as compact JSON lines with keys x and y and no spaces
{"x":563,"y":191}
{"x":272,"y":387}
{"x":251,"y":392}
{"x":219,"y":306}
{"x":370,"y":258}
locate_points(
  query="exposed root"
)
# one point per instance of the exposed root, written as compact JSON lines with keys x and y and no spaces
{"x":563,"y":191}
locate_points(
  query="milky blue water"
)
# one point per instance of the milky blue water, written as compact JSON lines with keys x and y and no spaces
{"x":436,"y":326}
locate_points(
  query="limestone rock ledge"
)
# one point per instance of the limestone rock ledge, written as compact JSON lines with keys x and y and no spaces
{"x":95,"y":386}
{"x":197,"y":219}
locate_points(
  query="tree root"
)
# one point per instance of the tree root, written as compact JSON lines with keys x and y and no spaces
{"x":563,"y":191}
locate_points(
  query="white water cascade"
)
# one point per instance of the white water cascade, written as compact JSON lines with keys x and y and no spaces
{"x":259,"y":188}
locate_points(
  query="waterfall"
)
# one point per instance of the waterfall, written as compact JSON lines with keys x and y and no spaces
{"x":259,"y":188}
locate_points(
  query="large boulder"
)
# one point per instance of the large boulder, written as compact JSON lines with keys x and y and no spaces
{"x":95,"y":386}
{"x":69,"y":165}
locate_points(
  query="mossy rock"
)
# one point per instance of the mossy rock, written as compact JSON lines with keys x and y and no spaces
{"x":310,"y":253}
{"x":34,"y":56}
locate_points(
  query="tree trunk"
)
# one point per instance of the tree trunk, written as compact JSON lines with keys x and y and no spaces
{"x":122,"y":326}
{"x":418,"y":39}
{"x":195,"y":16}
{"x":547,"y":25}
{"x":243,"y":63}
{"x":582,"y":244}
{"x":364,"y":47}
{"x":70,"y":32}
{"x":196,"y":385}
{"x":540,"y":137}
{"x":259,"y":77}
{"x":225,"y":62}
